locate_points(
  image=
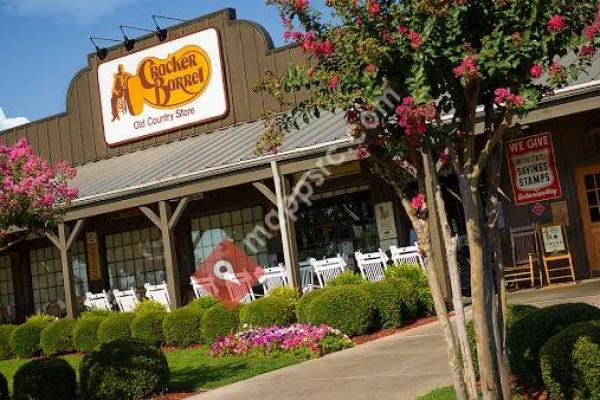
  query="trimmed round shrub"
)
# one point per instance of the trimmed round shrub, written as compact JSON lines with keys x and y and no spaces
{"x":557,"y":360}
{"x":123,"y":370}
{"x":41,"y":318}
{"x":115,"y":327}
{"x":347,"y":308}
{"x":149,"y":305}
{"x":25,"y":339}
{"x":395,"y":302}
{"x":219,"y":321}
{"x":202,"y":303}
{"x":147,"y":326}
{"x":182,"y":327}
{"x":587,"y":366}
{"x":418,"y":280}
{"x":346,"y":278}
{"x":45,"y":379}
{"x":304,"y":302}
{"x":85,"y":334}
{"x":5,"y":346}
{"x":268,"y":311}
{"x":3,"y":388}
{"x":287,"y":293}
{"x":97,"y":313}
{"x":528,"y":335}
{"x":57,"y":337}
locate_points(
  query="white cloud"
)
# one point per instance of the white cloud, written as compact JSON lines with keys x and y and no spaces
{"x":82,"y":11}
{"x":7,"y":123}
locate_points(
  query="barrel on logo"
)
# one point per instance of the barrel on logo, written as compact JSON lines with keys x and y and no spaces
{"x":135,"y":96}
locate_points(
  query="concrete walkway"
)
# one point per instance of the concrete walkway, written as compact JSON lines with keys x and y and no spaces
{"x":587,"y":291}
{"x":399,"y":367}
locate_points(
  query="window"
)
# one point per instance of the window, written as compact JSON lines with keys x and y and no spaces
{"x":47,"y":276}
{"x":135,"y":258}
{"x":7,"y":292}
{"x":339,"y":222}
{"x":209,"y":231}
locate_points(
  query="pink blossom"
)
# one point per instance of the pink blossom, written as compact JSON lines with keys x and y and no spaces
{"x":467,"y":69}
{"x":301,"y":4}
{"x":505,"y":97}
{"x":535,"y":71}
{"x":373,"y":7}
{"x":587,"y":51}
{"x":556,"y":23}
{"x":418,"y":201}
{"x":415,"y":39}
{"x":333,"y":82}
{"x":371,"y":69}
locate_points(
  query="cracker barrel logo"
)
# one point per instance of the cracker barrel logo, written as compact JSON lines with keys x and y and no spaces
{"x":165,"y":83}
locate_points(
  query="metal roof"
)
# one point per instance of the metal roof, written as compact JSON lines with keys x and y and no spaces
{"x":209,"y":154}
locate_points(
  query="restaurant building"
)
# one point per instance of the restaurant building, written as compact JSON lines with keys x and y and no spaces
{"x":163,"y":138}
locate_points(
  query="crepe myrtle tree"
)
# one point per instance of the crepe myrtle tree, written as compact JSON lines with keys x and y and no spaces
{"x":33,"y":194}
{"x":430,"y":86}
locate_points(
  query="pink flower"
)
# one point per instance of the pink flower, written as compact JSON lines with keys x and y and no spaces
{"x":373,"y":7}
{"x":415,"y":39}
{"x":587,"y":51}
{"x":467,"y":69}
{"x":371,"y":69}
{"x":505,"y":97}
{"x":556,"y":23}
{"x":333,"y":82}
{"x":418,"y":201}
{"x":535,"y":71}
{"x":301,"y":4}
{"x":403,"y":29}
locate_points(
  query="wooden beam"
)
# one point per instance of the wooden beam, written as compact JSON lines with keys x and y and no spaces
{"x":297,"y":188}
{"x":266,"y":192}
{"x":170,"y":255}
{"x":178,"y":212}
{"x":53,"y":238}
{"x":151,"y":216}
{"x":75,"y":232}
{"x":67,"y":270}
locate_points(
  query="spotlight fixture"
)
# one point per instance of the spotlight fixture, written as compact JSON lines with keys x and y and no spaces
{"x":102,"y":52}
{"x":161,"y":33}
{"x":127,"y":42}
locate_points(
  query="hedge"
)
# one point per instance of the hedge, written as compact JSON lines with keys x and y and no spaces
{"x":347,"y":308}
{"x":287,"y":293}
{"x":417,"y":277}
{"x":268,"y":311}
{"x":528,"y":335}
{"x":25,"y":338}
{"x":85,"y":334}
{"x":395,"y":302}
{"x":304,"y":302}
{"x":346,"y":278}
{"x":202,"y":303}
{"x":182,"y":327}
{"x":557,"y":361}
{"x":587,"y":366}
{"x":4,"y":395}
{"x":45,"y":379}
{"x":149,"y":305}
{"x":147,"y":326}
{"x":123,"y":370}
{"x":115,"y":327}
{"x":219,"y":321}
{"x":5,"y":346}
{"x":57,"y":337}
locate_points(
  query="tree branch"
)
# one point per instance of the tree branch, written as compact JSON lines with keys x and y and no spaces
{"x":490,"y":145}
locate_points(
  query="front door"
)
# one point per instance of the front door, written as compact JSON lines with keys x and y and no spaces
{"x":588,"y":189}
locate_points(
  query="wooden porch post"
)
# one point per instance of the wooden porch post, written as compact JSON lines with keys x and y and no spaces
{"x":166,"y":222}
{"x":63,"y":243}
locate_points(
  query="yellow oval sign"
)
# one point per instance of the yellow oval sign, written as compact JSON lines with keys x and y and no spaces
{"x":174,"y":81}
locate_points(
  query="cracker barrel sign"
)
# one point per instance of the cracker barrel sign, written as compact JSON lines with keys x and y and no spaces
{"x":163,"y":88}
{"x":533,"y":170}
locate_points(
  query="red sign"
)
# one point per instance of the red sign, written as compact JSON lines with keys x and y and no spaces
{"x":533,"y":170}
{"x":228,"y":273}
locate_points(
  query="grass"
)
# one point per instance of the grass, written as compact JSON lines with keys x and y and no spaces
{"x":192,"y":368}
{"x":445,"y":393}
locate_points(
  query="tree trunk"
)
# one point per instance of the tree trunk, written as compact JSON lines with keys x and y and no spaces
{"x":451,"y":245}
{"x":474,"y":223}
{"x":422,"y":230}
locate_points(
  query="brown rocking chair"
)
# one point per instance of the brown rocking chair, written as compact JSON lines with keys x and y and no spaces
{"x":525,"y":255}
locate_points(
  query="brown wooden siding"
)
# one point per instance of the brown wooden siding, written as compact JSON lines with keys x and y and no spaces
{"x":77,"y":136}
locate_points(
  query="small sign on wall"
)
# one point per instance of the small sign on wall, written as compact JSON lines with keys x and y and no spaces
{"x":93,"y":256}
{"x":386,"y":223}
{"x":560,"y":213}
{"x":533,"y":170}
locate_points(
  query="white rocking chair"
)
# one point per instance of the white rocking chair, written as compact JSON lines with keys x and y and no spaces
{"x":273,"y":278}
{"x":203,"y":287}
{"x":328,"y":268}
{"x":407,"y":255}
{"x":307,"y":276}
{"x":126,"y":299}
{"x":97,"y":301}
{"x":158,"y":293}
{"x":372,"y":266}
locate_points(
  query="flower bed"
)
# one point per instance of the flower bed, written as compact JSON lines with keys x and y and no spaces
{"x":298,"y":339}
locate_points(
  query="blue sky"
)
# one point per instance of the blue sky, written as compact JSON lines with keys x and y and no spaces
{"x":45,"y":42}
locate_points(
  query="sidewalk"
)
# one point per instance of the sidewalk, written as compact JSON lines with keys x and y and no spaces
{"x":401,"y":367}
